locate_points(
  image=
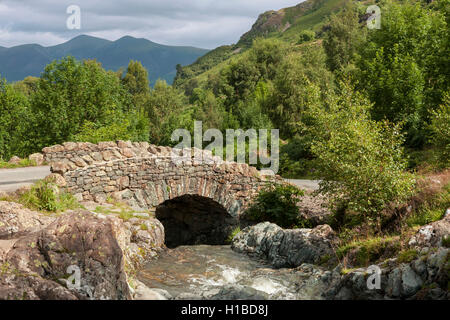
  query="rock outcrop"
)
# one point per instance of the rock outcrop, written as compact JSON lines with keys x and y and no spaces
{"x":285,"y":248}
{"x":79,"y":255}
{"x":431,"y":235}
{"x":423,"y":278}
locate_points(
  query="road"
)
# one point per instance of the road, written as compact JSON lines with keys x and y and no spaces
{"x":305,"y":184}
{"x":13,"y":179}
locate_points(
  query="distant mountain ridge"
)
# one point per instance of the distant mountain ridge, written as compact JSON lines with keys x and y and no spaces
{"x":18,"y":62}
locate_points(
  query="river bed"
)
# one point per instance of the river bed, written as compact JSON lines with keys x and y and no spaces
{"x":217,"y":272}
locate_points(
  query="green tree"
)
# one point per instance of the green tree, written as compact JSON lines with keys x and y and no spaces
{"x":72,"y":95}
{"x":440,"y":132}
{"x":14,"y":116}
{"x":167,"y":110}
{"x":360,"y":161}
{"x":404,"y":66}
{"x":343,"y":39}
{"x":136,"y":83}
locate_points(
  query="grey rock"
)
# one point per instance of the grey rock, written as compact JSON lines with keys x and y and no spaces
{"x":285,"y":248}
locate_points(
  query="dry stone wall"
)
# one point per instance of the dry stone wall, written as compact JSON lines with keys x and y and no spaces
{"x":146,"y":175}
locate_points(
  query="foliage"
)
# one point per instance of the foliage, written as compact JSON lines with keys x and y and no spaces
{"x":14,"y":115}
{"x":305,"y":36}
{"x":81,"y":96}
{"x":404,"y":66}
{"x":278,"y":204}
{"x":136,"y":83}
{"x":166,"y":111}
{"x":440,"y":132}
{"x":233,"y":234}
{"x":45,"y":195}
{"x":343,"y":39}
{"x":360,"y":161}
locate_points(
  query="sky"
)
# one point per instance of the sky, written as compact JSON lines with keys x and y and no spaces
{"x":200,"y":23}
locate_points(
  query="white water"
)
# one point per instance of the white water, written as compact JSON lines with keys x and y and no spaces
{"x":201,"y":271}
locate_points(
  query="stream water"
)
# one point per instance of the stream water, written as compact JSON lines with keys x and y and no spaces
{"x":217,"y":272}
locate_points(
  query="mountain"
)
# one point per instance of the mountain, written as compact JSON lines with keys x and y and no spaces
{"x":18,"y":62}
{"x":285,"y":24}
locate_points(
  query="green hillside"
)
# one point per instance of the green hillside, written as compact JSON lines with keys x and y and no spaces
{"x":285,"y":24}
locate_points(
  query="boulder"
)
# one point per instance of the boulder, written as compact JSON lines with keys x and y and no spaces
{"x":17,"y":220}
{"x":93,"y":249}
{"x":286,"y":248}
{"x":37,"y":158}
{"x":14,"y":160}
{"x":432,"y":234}
{"x":423,"y":278}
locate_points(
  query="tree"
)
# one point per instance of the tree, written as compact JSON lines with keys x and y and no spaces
{"x":166,"y":111}
{"x":360,"y":161}
{"x":136,"y":83}
{"x":440,"y":132}
{"x":14,"y":116}
{"x":342,"y":40}
{"x":72,"y":95}
{"x":404,"y":66}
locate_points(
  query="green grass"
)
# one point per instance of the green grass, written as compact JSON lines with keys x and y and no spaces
{"x":233,"y":234}
{"x":407,"y":256}
{"x":45,"y":196}
{"x":366,"y":251}
{"x":432,"y":210}
{"x":22,"y":164}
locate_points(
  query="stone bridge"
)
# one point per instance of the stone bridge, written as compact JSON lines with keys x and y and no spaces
{"x":199,"y":199}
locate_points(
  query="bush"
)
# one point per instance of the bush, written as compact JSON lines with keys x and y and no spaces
{"x":278,"y":204}
{"x":45,"y":196}
{"x":305,"y":36}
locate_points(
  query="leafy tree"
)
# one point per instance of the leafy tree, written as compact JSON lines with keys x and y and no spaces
{"x":27,"y":86}
{"x":136,"y":83}
{"x":167,"y":111}
{"x":342,"y":40}
{"x":14,"y":114}
{"x":305,"y":36}
{"x":292,"y":91}
{"x":404,"y":66}
{"x":278,"y":204}
{"x":360,"y":161}
{"x":72,"y":94}
{"x":440,"y":132}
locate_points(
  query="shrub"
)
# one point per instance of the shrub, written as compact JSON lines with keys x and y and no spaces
{"x":233,"y":234}
{"x":278,"y":204}
{"x":305,"y":36}
{"x":45,"y":196}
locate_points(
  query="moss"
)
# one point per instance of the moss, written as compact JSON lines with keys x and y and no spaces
{"x":363,"y":252}
{"x":143,"y":226}
{"x":406,"y":256}
{"x":345,"y":271}
{"x":233,"y":234}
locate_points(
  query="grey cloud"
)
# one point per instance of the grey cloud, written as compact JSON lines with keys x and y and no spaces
{"x":201,"y":23}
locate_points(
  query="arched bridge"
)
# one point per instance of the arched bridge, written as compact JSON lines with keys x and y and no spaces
{"x":198,"y":199}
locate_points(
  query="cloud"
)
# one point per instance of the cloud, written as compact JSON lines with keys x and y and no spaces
{"x":200,"y":23}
